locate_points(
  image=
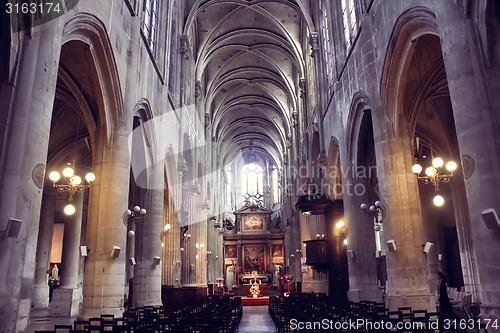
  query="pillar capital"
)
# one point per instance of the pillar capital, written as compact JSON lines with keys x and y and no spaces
{"x":191,"y":190}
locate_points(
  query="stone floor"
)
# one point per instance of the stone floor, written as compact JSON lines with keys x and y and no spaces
{"x":41,"y":321}
{"x":255,"y":319}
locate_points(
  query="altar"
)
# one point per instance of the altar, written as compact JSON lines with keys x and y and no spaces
{"x":253,"y":250}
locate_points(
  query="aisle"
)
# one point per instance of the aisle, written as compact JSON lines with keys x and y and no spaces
{"x":256,"y":319}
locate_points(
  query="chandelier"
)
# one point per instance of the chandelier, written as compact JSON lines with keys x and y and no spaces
{"x":72,"y":184}
{"x":436,"y":174}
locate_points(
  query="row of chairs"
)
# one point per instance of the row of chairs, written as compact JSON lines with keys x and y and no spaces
{"x":462,"y":301}
{"x":320,"y":313}
{"x":211,"y":315}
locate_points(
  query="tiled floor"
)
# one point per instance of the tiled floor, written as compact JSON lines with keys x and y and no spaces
{"x":256,"y":319}
{"x":40,"y":320}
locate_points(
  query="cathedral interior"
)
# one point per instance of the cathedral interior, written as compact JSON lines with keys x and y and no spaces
{"x":170,"y":152}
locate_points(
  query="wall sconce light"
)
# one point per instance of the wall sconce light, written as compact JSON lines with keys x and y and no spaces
{"x":132,"y":261}
{"x":428,"y":246}
{"x":490,"y":218}
{"x":83,"y":251}
{"x":156,"y":260}
{"x":216,"y":257}
{"x":292,"y":255}
{"x":182,"y":249}
{"x":115,"y":252}
{"x":391,"y":244}
{"x":13,"y":229}
{"x":168,"y":226}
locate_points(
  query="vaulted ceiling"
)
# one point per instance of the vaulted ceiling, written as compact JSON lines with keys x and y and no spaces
{"x":249,"y":61}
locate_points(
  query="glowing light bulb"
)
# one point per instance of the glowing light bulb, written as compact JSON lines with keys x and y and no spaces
{"x":340,"y":224}
{"x":416,"y":168}
{"x":168,"y":227}
{"x":438,"y":200}
{"x":345,"y":241}
{"x":68,"y":172}
{"x":69,"y":209}
{"x":75,"y":180}
{"x":430,"y":171}
{"x":90,"y":177}
{"x":437,"y":162}
{"x":451,"y":166}
{"x":54,"y":176}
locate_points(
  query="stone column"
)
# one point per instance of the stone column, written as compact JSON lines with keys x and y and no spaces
{"x":305,"y":234}
{"x":41,"y":288}
{"x":360,"y":235}
{"x":66,"y":299}
{"x":190,"y":203}
{"x":23,"y":173}
{"x":473,"y":85}
{"x":71,"y":245}
{"x":201,"y":238}
{"x":104,"y":280}
{"x":407,"y":283}
{"x":147,"y":279}
{"x":172,"y":262}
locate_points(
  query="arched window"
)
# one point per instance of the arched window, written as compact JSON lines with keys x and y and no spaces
{"x":252,"y":183}
{"x":327,"y":45}
{"x":350,"y":21}
{"x":229,"y":184}
{"x":275,"y":181}
{"x":150,"y":23}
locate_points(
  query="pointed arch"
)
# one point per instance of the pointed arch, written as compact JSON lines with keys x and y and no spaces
{"x":89,"y":29}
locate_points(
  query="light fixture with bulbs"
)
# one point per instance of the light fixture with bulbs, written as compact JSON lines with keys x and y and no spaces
{"x":436,"y":174}
{"x":70,"y":183}
{"x":130,"y":217}
{"x":377,"y":210}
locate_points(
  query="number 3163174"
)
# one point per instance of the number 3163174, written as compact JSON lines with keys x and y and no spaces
{"x":33,"y":8}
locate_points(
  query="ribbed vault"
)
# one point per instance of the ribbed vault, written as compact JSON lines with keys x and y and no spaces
{"x":249,"y":62}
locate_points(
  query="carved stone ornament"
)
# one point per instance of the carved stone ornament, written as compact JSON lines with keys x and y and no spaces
{"x":184,"y":46}
{"x":468,"y":165}
{"x":38,"y":174}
